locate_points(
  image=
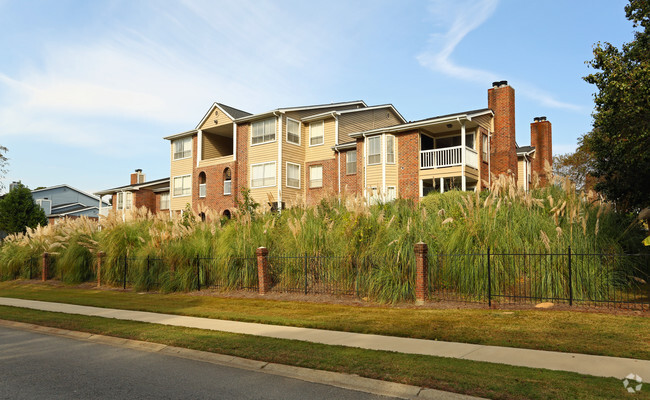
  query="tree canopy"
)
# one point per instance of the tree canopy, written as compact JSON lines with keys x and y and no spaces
{"x":620,"y":139}
{"x":19,"y":211}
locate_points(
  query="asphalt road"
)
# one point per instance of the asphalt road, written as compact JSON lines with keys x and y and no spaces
{"x":38,"y":366}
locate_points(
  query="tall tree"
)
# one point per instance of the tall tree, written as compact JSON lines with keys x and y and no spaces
{"x":577,"y":166}
{"x":620,"y":139}
{"x":4,"y":161}
{"x":18,"y":211}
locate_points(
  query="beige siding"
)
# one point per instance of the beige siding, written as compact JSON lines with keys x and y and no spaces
{"x":215,"y":161}
{"x":179,"y":168}
{"x":295,"y":154}
{"x":215,"y":146}
{"x":323,"y":151}
{"x":448,"y":172}
{"x":221,"y":119}
{"x":484,"y":121}
{"x":365,"y":120}
{"x":374,"y":177}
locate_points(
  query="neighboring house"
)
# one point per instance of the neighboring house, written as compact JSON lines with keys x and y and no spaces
{"x":64,"y":201}
{"x":299,"y":155}
{"x":153,"y":195}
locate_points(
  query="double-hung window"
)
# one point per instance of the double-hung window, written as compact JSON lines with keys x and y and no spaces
{"x":164,"y":201}
{"x":390,"y":149}
{"x":120,"y":201}
{"x":263,"y":131}
{"x":293,"y":131}
{"x":374,"y":150}
{"x":293,"y":175}
{"x":316,"y":176}
{"x":351,"y":162}
{"x":484,"y":147}
{"x":182,"y":148}
{"x":182,"y":185}
{"x":263,"y":175}
{"x":128,"y":200}
{"x":316,"y":133}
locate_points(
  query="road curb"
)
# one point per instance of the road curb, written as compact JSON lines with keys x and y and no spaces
{"x":337,"y":379}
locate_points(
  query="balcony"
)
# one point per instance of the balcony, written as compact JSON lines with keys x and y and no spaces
{"x":448,"y":157}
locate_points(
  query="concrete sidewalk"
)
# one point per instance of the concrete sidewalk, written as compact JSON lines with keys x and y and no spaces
{"x":580,"y":363}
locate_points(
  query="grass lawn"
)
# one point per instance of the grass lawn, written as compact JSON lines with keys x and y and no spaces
{"x":567,"y":331}
{"x":475,"y":378}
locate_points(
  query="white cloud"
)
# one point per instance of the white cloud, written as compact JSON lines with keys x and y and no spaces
{"x":465,"y":17}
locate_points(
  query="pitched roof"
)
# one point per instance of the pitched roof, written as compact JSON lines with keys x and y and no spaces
{"x":135,"y":186}
{"x":91,"y":195}
{"x":301,"y":108}
{"x":234,"y":112}
{"x":354,"y":110}
{"x":525,"y":150}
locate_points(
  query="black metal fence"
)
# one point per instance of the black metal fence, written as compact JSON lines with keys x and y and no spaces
{"x":618,"y":280}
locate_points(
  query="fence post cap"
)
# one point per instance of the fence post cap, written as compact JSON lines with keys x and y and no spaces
{"x":100,"y":254}
{"x":262,"y":251}
{"x":421,"y":247}
{"x":46,"y":254}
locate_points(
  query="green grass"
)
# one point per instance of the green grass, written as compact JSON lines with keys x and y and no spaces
{"x":474,"y":378}
{"x":567,"y":331}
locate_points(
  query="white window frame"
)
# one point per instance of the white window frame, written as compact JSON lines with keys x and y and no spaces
{"x":311,"y":168}
{"x":182,"y":140}
{"x":275,"y":174}
{"x":263,"y":121}
{"x":120,"y":200}
{"x":348,"y":163}
{"x":128,"y":200}
{"x":392,"y":139}
{"x":388,"y":189}
{"x":484,"y":146}
{"x":299,"y":131}
{"x":162,"y":195}
{"x":299,"y":175}
{"x":311,"y":125}
{"x":173,"y":187}
{"x":369,"y":140}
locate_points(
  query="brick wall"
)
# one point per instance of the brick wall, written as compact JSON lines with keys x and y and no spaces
{"x":330,"y":182}
{"x":215,"y":199}
{"x":503,"y":149}
{"x":240,"y":170}
{"x":408,"y":145}
{"x":542,"y":139}
{"x":484,"y":164}
{"x":144,"y":198}
{"x":349,"y":183}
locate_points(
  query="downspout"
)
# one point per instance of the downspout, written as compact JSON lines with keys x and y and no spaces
{"x":365,"y":166}
{"x":279,"y":117}
{"x":199,"y":147}
{"x":336,"y":143}
{"x":234,"y":141}
{"x":463,"y":144}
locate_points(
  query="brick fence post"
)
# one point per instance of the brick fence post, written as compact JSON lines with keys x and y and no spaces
{"x":100,"y":256}
{"x":263,"y":275}
{"x":45,"y":266}
{"x":422,"y":273}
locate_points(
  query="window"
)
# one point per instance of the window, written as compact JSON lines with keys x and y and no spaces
{"x":374,"y":150}
{"x":182,"y":185}
{"x":484,"y":147}
{"x":227,"y":181}
{"x":128,"y":200}
{"x":293,"y":131}
{"x":164,"y":201}
{"x":202,"y":185}
{"x":351,"y":162}
{"x":263,"y":131}
{"x":316,"y":176}
{"x":469,"y":140}
{"x":316,"y":133}
{"x":182,"y":148}
{"x":120,"y":201}
{"x":263,"y":175}
{"x":374,"y":196}
{"x":454,"y":141}
{"x":391,"y":193}
{"x":390,"y":149}
{"x":293,"y":175}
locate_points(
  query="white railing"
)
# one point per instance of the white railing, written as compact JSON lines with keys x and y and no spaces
{"x":202,"y":191}
{"x":448,"y":157}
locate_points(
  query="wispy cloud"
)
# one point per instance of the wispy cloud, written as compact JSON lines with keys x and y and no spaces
{"x":466,"y":16}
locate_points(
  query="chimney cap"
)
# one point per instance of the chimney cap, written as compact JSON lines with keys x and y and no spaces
{"x":503,"y":83}
{"x":495,"y":84}
{"x":536,"y":119}
{"x":542,"y":118}
{"x":138,"y":170}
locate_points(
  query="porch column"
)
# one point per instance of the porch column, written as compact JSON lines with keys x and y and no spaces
{"x":199,"y":147}
{"x":463,"y":180}
{"x":442,"y":185}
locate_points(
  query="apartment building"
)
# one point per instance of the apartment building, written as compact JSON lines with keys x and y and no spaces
{"x":300,"y":155}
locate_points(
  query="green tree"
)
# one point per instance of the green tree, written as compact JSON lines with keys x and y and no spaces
{"x":19,"y":211}
{"x":577,"y":166}
{"x":620,"y":139}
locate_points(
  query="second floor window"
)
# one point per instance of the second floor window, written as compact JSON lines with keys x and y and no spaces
{"x":182,"y":185}
{"x":263,"y":175}
{"x":293,"y":131}
{"x":182,"y":148}
{"x":263,"y":131}
{"x":351,"y":162}
{"x":164,"y":201}
{"x":374,"y":150}
{"x":316,"y":133}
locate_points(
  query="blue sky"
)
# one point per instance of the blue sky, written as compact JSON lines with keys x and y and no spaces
{"x":89,"y":88}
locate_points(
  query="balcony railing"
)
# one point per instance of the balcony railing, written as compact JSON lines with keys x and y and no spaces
{"x":448,"y":157}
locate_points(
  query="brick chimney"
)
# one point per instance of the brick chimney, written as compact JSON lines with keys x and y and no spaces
{"x":137,"y":177}
{"x":542,"y":139}
{"x":503,"y":151}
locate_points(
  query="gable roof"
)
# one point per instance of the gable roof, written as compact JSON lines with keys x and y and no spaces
{"x":91,"y":195}
{"x":232,"y":113}
{"x":354,"y":110}
{"x":525,"y":150}
{"x":302,"y":108}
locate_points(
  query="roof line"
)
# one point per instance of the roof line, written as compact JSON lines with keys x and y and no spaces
{"x":289,"y":109}
{"x":91,"y":195}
